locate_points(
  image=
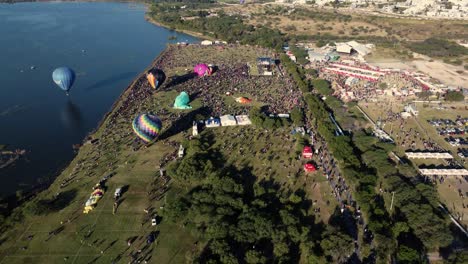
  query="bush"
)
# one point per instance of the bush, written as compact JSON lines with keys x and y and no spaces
{"x":322,"y":86}
{"x":454,"y":96}
{"x":297,"y":116}
{"x":435,"y":47}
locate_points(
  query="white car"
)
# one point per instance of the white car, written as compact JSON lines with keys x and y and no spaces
{"x":118,"y":192}
{"x":153,"y":221}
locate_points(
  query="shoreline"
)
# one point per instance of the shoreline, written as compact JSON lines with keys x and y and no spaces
{"x":188,"y":32}
{"x":48,"y":181}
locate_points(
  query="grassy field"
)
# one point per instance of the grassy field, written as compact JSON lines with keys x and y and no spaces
{"x":62,"y":233}
{"x":307,"y":20}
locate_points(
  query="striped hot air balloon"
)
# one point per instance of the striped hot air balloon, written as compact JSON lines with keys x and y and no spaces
{"x":155,"y":77}
{"x":147,"y":127}
{"x":64,"y":77}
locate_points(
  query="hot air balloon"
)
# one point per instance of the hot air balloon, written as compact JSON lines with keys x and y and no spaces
{"x":155,"y":77}
{"x":64,"y":78}
{"x":147,"y":127}
{"x":202,"y":69}
{"x":243,"y":100}
{"x":181,"y":101}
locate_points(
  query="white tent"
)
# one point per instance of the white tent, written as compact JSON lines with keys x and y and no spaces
{"x":207,"y":42}
{"x":343,"y":48}
{"x":243,"y":120}
{"x":228,"y":120}
{"x":362,"y":49}
{"x":314,"y":56}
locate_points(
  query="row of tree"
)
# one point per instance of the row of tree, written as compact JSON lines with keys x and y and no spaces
{"x":418,"y":223}
{"x":435,"y":47}
{"x":222,"y":26}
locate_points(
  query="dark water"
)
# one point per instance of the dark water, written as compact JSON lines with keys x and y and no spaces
{"x":107,"y":44}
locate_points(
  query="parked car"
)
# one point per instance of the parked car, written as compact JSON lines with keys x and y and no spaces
{"x":118,"y":192}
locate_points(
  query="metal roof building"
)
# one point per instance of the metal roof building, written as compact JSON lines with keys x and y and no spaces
{"x":444,"y":172}
{"x":428,"y":155}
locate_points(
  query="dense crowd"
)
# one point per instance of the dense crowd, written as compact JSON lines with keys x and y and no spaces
{"x":354,"y":89}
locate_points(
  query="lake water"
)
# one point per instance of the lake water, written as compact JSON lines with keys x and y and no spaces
{"x":107,"y":44}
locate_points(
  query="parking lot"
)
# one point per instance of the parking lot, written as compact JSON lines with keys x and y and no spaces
{"x":454,"y":132}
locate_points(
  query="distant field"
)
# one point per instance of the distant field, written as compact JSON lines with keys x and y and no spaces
{"x":301,"y":20}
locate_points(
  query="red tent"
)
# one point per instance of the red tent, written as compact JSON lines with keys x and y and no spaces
{"x":308,"y":167}
{"x":307,"y":152}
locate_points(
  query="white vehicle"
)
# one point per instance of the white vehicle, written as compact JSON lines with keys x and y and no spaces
{"x":118,"y":192}
{"x":153,"y":221}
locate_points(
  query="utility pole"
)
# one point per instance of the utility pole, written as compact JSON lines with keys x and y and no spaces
{"x":391,"y":204}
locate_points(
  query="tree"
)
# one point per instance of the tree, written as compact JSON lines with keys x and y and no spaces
{"x":363,"y":141}
{"x":269,"y":123}
{"x":407,"y":255}
{"x":454,"y":96}
{"x":280,"y":249}
{"x":435,"y":47}
{"x":322,"y":86}
{"x":337,"y":246}
{"x":400,"y":227}
{"x":321,"y":43}
{"x":256,"y":116}
{"x":312,"y":72}
{"x":297,"y":116}
{"x":424,"y":95}
{"x":254,"y":257}
{"x":383,"y":85}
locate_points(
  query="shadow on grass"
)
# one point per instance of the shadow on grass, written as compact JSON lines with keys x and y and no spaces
{"x":184,"y":122}
{"x":45,"y":206}
{"x":175,"y":80}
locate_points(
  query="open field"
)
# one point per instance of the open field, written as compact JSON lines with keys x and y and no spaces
{"x":446,"y":73}
{"x":59,"y":232}
{"x":345,"y":22}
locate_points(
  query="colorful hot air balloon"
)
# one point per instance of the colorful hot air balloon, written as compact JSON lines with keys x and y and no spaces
{"x":202,"y":69}
{"x":64,"y":78}
{"x":147,"y":127}
{"x":155,"y":77}
{"x":182,"y":100}
{"x":243,"y":100}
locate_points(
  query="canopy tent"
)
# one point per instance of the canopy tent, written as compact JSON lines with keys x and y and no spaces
{"x":213,"y":122}
{"x":308,"y":167}
{"x":181,"y":101}
{"x":243,"y":120}
{"x":228,"y":120}
{"x":307,"y":152}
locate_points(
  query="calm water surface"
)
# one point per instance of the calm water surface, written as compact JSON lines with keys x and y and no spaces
{"x":107,"y":44}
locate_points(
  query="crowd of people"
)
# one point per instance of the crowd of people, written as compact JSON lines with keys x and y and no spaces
{"x":233,"y":79}
{"x":349,"y":88}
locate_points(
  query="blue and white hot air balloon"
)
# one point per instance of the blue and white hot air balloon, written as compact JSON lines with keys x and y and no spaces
{"x":64,"y":78}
